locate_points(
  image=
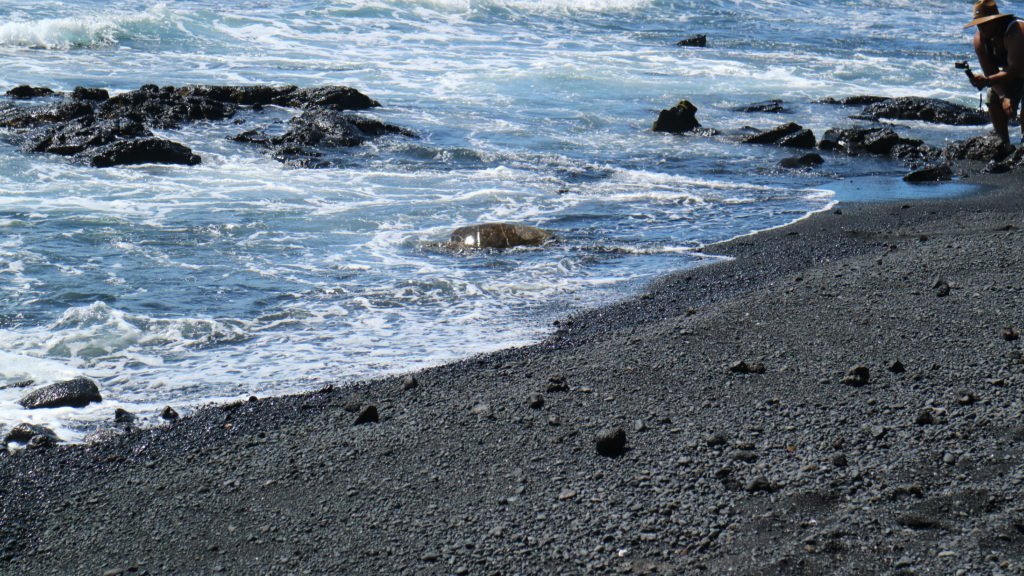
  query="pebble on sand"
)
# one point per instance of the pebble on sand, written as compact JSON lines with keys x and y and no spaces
{"x":611,"y":442}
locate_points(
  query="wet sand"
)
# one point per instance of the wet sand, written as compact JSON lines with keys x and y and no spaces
{"x":750,"y":447}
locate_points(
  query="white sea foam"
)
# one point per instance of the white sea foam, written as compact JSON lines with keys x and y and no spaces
{"x":80,"y":31}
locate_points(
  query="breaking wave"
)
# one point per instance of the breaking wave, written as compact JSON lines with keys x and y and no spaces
{"x":82,"y":31}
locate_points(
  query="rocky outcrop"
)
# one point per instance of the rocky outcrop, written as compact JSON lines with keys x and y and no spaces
{"x":80,"y":134}
{"x":28,"y":92}
{"x":96,"y":129}
{"x":679,"y":119}
{"x":981,"y":148}
{"x":317,"y":130}
{"x":166,"y":107}
{"x":75,"y":393}
{"x":927,"y":110}
{"x":790,"y":135}
{"x":322,"y":97}
{"x":498,"y":236}
{"x":141,"y":151}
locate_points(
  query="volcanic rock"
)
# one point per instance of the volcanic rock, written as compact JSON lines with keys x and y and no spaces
{"x":939,"y":173}
{"x":76,"y":393}
{"x":169,"y":413}
{"x":698,"y":41}
{"x":611,"y":442}
{"x":93,"y":94}
{"x":498,"y":236}
{"x":28,"y":92}
{"x":122,"y":416}
{"x":23,"y":433}
{"x":768,"y":106}
{"x":774,"y":135}
{"x":855,"y":100}
{"x":857,"y":376}
{"x":983,"y":148}
{"x":166,"y":107}
{"x":927,"y":110}
{"x":141,"y":151}
{"x":805,"y":161}
{"x":367,"y":415}
{"x":679,"y":119}
{"x":81,"y":134}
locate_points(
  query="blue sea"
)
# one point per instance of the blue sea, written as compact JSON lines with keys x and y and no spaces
{"x":182,"y":286}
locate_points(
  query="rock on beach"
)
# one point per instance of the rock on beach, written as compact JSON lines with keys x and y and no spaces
{"x":77,"y":393}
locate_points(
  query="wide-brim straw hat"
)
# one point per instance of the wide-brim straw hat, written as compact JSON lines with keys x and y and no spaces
{"x":986,"y":11}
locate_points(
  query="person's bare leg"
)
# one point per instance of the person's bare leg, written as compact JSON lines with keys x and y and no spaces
{"x":1000,"y":115}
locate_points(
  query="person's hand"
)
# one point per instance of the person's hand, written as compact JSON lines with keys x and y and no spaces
{"x":979,"y":82}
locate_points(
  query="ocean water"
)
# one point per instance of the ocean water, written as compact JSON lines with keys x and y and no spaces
{"x":186,"y":285}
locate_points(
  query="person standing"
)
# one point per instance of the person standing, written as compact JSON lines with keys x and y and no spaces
{"x":999,"y":44}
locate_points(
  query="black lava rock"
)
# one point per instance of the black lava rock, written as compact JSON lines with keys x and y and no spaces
{"x":679,"y":119}
{"x":367,"y":415}
{"x":698,"y":41}
{"x":76,"y":393}
{"x":940,"y":173}
{"x":805,"y":161}
{"x":28,"y":92}
{"x":141,"y":151}
{"x":23,"y":433}
{"x":169,"y":413}
{"x":535,"y":401}
{"x":927,"y":110}
{"x":122,"y":416}
{"x":857,"y":376}
{"x":611,"y":442}
{"x":774,"y":135}
{"x":769,"y":107}
{"x":93,"y":94}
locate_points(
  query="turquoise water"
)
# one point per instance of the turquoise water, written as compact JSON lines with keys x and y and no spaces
{"x":174,"y":285}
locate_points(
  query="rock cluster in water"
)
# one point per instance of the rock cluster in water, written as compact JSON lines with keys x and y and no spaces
{"x":91,"y":127}
{"x":926,"y":162}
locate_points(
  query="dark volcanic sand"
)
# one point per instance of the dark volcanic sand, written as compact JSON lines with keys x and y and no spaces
{"x":789,"y":471}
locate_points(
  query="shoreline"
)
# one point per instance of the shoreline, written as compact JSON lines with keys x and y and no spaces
{"x":728,"y":469}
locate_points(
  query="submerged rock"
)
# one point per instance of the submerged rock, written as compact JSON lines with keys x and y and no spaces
{"x":75,"y":393}
{"x":698,"y":41}
{"x":679,"y":119}
{"x":498,"y":236}
{"x":805,"y":161}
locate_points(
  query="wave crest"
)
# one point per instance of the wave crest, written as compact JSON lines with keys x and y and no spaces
{"x":80,"y":31}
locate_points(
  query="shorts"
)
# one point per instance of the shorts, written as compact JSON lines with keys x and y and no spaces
{"x":1013,"y":90}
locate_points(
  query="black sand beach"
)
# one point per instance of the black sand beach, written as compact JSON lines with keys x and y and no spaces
{"x":784,"y":464}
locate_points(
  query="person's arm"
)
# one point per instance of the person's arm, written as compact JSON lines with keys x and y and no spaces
{"x":988,"y":67}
